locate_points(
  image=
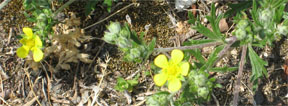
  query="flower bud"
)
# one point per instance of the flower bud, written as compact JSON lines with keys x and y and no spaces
{"x":134,"y":53}
{"x":200,"y":80}
{"x":109,"y":37}
{"x":266,"y":15}
{"x":122,"y":42}
{"x":124,"y":32}
{"x":283,"y":30}
{"x":114,"y":27}
{"x":203,"y":92}
{"x":242,"y":24}
{"x":240,"y":34}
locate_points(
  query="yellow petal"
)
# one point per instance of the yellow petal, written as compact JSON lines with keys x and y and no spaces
{"x":161,"y":61}
{"x":22,"y":52}
{"x":174,"y":84}
{"x":177,"y":56}
{"x":160,"y":79}
{"x":38,"y":42}
{"x":28,"y":32}
{"x":37,"y":54}
{"x":185,"y":68}
{"x":23,"y":41}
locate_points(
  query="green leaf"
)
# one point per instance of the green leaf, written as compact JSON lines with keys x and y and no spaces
{"x":192,"y":19}
{"x":258,"y":64}
{"x":122,"y":84}
{"x":279,"y":13}
{"x":150,"y":47}
{"x":205,"y":31}
{"x":212,"y":58}
{"x":198,"y":42}
{"x":198,"y":55}
{"x":237,"y":8}
{"x":90,"y":4}
{"x":158,"y":99}
{"x":223,"y":69}
{"x":214,"y":21}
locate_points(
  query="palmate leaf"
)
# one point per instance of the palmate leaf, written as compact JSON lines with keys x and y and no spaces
{"x":214,"y":21}
{"x":205,"y":31}
{"x":258,"y":64}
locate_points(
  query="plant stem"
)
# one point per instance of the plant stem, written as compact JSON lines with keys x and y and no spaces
{"x":239,"y":76}
{"x":4,"y":3}
{"x":188,"y":47}
{"x":62,"y":7}
{"x":230,"y":41}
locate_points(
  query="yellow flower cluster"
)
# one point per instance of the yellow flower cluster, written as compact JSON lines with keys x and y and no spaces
{"x":172,"y":70}
{"x":30,"y":42}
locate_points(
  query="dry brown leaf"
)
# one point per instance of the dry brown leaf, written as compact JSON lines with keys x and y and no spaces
{"x":65,"y":66}
{"x":84,"y":58}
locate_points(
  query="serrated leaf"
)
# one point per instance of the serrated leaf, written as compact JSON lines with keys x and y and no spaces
{"x":197,"y":42}
{"x":192,"y":19}
{"x":205,"y":31}
{"x":158,"y":99}
{"x":258,"y":64}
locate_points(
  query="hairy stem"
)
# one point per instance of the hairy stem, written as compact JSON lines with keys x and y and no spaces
{"x":239,"y":76}
{"x":188,"y":47}
{"x":230,"y":41}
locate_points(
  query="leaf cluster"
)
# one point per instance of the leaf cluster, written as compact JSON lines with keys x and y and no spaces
{"x":134,"y":48}
{"x":128,"y":85}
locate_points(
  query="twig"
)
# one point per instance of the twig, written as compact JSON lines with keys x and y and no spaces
{"x":215,"y":99}
{"x":10,"y":35}
{"x":31,"y":101}
{"x":48,"y":83}
{"x":4,"y":3}
{"x":4,"y":101}
{"x":239,"y":76}
{"x":62,"y":7}
{"x":31,"y":86}
{"x":225,"y":49}
{"x":98,"y":52}
{"x":207,"y":8}
{"x":254,"y":102}
{"x":109,"y":16}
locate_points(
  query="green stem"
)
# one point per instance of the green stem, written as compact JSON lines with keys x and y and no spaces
{"x":62,"y":7}
{"x":230,"y":41}
{"x":4,"y":3}
{"x":188,"y":47}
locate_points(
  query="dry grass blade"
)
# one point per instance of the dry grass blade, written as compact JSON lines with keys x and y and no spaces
{"x":31,"y":101}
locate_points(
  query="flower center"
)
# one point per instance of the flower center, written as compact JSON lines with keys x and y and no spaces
{"x":30,"y":43}
{"x":173,"y":70}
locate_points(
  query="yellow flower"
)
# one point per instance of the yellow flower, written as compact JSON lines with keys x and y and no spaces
{"x":30,"y":42}
{"x":172,"y":70}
